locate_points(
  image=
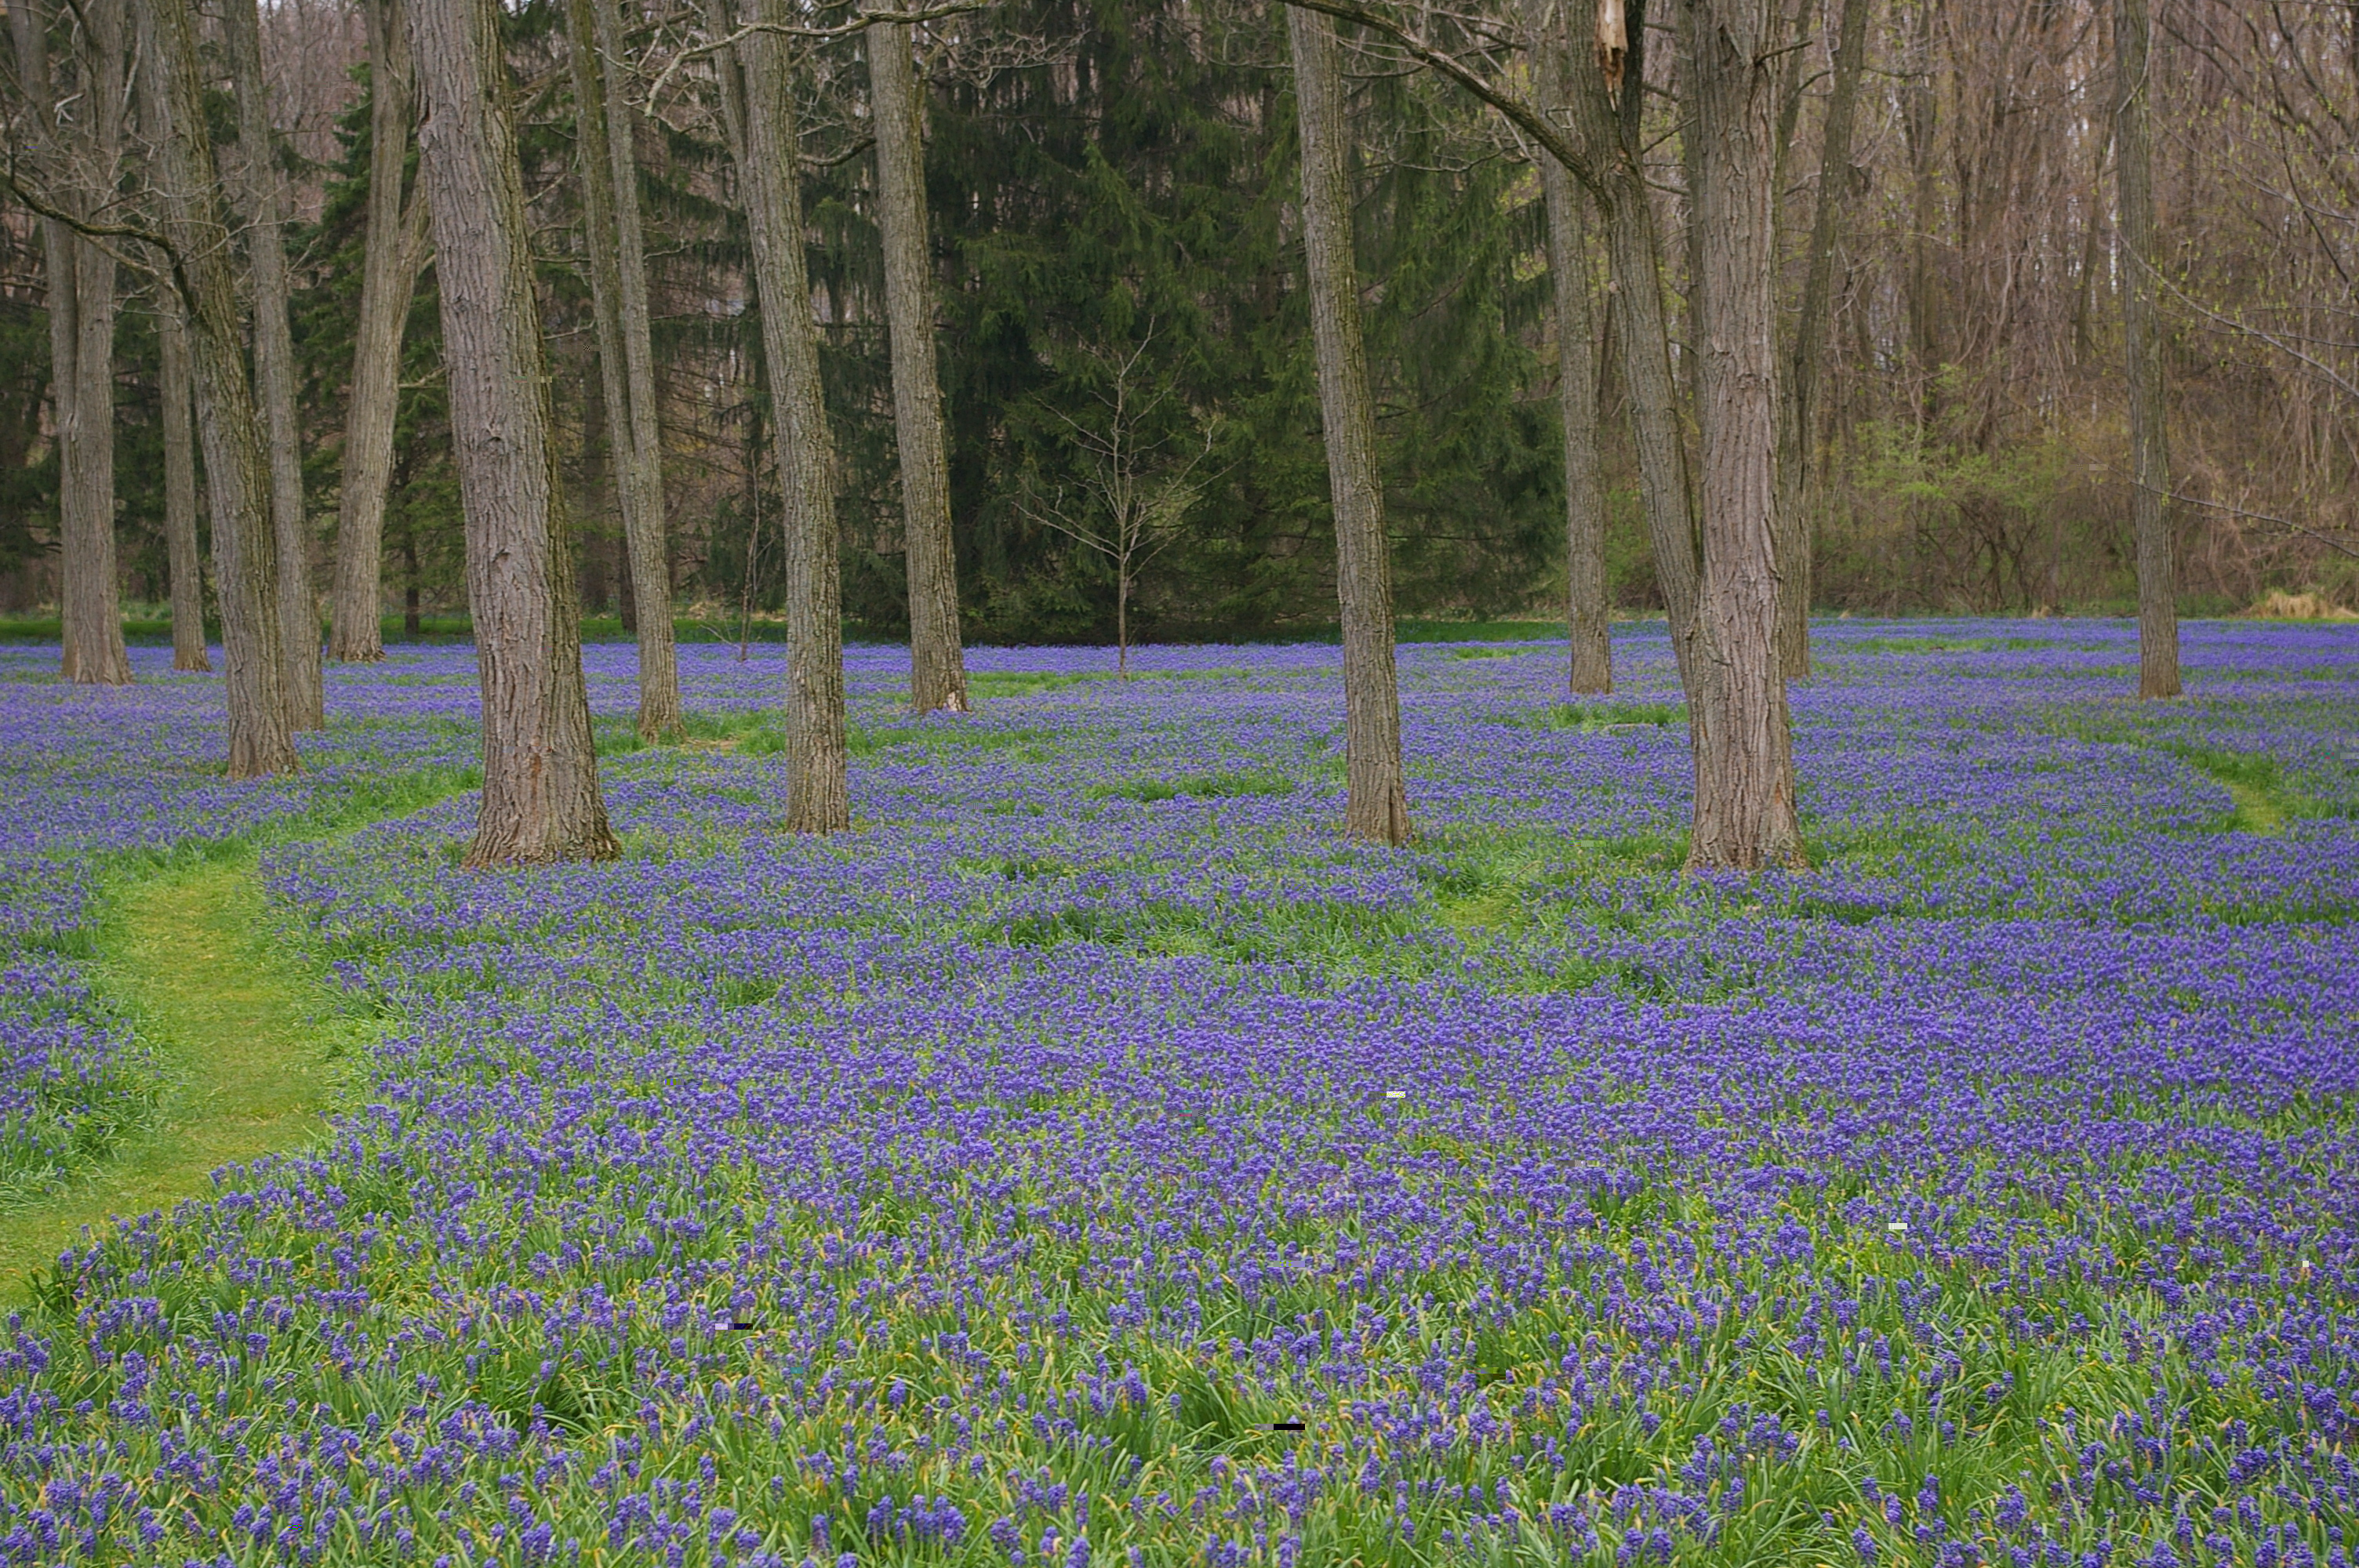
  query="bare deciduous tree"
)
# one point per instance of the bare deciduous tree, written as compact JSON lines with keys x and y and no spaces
{"x":176,"y":384}
{"x":1568,"y":250}
{"x":394,"y":251}
{"x":1745,"y":811}
{"x":541,"y":800}
{"x":1138,"y":482}
{"x":237,"y":468}
{"x":75,"y":135}
{"x":937,"y":666}
{"x":616,"y":253}
{"x":1376,"y":804}
{"x":761,"y":103}
{"x":2158,"y":575}
{"x":275,"y":368}
{"x":1797,"y":410}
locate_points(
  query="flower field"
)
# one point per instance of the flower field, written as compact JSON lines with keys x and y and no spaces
{"x":1093,"y":1158}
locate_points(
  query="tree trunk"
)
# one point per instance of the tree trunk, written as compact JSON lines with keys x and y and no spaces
{"x":2142,"y":346}
{"x":618,"y":293}
{"x":1745,"y":814}
{"x":1377,"y":806}
{"x":1584,"y":497}
{"x":93,"y":650}
{"x":1796,"y":411}
{"x":1919,"y":119}
{"x":76,"y":139}
{"x":541,"y":800}
{"x":936,"y":665}
{"x":1641,"y":320}
{"x":274,"y":369}
{"x":396,"y":250}
{"x":180,"y":491}
{"x":769,"y":173}
{"x":237,"y":469}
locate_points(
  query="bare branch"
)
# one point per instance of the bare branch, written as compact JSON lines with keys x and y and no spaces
{"x":788,"y":29}
{"x":1520,"y":115}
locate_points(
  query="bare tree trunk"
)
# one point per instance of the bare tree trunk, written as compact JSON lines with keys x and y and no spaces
{"x":1796,"y":411}
{"x":76,"y":138}
{"x":770,"y":171}
{"x":1745,"y":814}
{"x":2142,"y":345}
{"x":180,"y":490}
{"x":1634,"y":247}
{"x":1376,"y":804}
{"x":541,"y":800}
{"x":1584,"y":496}
{"x":273,"y":369}
{"x":1919,"y":116}
{"x":936,"y":665}
{"x":93,"y":650}
{"x":618,"y":294}
{"x":396,"y":250}
{"x":237,"y":469}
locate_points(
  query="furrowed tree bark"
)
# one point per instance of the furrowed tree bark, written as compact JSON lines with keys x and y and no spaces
{"x":180,"y":490}
{"x":274,"y":369}
{"x":1744,"y":813}
{"x":1796,"y":411}
{"x":1584,"y":497}
{"x":78,"y":148}
{"x":618,"y":293}
{"x":541,"y":801}
{"x":1377,"y":806}
{"x":770,"y":184}
{"x":937,"y":664}
{"x":2142,"y":345}
{"x":393,"y":253}
{"x":237,"y":469}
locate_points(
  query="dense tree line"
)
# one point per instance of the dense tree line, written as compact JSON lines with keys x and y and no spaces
{"x":1058,"y":317}
{"x":1138,"y":175}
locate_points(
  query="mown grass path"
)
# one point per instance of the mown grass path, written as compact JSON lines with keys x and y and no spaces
{"x":244,"y":1038}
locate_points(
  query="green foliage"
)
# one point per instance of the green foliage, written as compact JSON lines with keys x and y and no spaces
{"x":1136,"y":196}
{"x":28,"y":461}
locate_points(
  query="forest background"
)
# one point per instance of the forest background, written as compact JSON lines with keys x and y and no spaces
{"x":1115,"y":196}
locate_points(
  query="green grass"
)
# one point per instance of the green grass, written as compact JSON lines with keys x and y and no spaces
{"x":1595,"y":718}
{"x":1933,"y":644}
{"x":246,"y":1042}
{"x":2252,"y":779}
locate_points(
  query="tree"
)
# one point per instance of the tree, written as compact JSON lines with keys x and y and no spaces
{"x":395,"y":251}
{"x":237,"y":469}
{"x":274,"y":369}
{"x":618,"y":291}
{"x":180,"y":487}
{"x":1797,"y":410}
{"x":937,"y":666}
{"x":1136,"y":489}
{"x":761,"y":110}
{"x":1376,"y":802}
{"x":1584,"y":497}
{"x":1718,"y":585}
{"x":540,"y":800}
{"x":1744,"y":810}
{"x":75,"y":131}
{"x":2157,"y":586}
